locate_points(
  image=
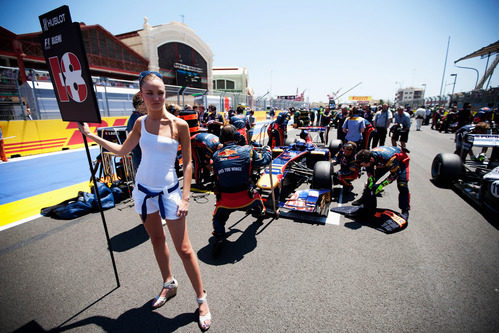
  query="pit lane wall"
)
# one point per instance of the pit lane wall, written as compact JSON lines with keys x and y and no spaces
{"x":32,"y":137}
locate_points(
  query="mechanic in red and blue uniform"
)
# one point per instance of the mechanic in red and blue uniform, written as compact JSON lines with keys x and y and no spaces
{"x":240,"y":122}
{"x":204,"y":145}
{"x":380,"y":160}
{"x":232,"y":165}
{"x":349,"y":169}
{"x":277,"y":130}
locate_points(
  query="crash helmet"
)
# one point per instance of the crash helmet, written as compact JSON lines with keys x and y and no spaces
{"x":300,"y":144}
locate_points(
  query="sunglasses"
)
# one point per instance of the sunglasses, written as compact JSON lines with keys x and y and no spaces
{"x":143,"y":74}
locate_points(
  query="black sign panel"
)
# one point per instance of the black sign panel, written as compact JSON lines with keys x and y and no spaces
{"x":65,"y":55}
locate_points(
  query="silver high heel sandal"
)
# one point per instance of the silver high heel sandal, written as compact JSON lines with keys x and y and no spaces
{"x":204,"y":321}
{"x":159,"y":301}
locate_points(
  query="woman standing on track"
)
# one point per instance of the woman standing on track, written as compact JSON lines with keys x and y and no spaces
{"x":156,"y":192}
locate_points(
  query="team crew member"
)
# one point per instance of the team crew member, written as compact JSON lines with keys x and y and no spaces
{"x":203,"y":146}
{"x":464,"y":148}
{"x":139,"y":110}
{"x":251,"y":119}
{"x":156,"y":192}
{"x":277,"y":130}
{"x":402,"y":124}
{"x":381,"y":121}
{"x":241,"y":124}
{"x":349,"y":170}
{"x":213,"y":120}
{"x":378,"y":161}
{"x":232,"y":166}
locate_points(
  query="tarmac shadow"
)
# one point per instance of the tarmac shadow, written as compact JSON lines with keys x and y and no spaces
{"x":142,"y":319}
{"x":232,"y":251}
{"x":129,"y":239}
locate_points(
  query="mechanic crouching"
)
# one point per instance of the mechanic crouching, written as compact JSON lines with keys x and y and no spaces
{"x":203,"y":146}
{"x":232,"y":165}
{"x":349,"y":170}
{"x":378,"y":162}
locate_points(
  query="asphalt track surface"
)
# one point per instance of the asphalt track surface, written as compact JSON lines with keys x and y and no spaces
{"x":440,"y":274}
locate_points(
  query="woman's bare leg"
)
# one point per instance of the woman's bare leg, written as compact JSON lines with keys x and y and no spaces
{"x":180,"y":237}
{"x":157,"y":235}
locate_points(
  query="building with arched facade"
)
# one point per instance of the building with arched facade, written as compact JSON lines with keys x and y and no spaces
{"x":175,"y":51}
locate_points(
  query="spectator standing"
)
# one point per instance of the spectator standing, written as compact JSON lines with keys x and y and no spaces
{"x":213,"y":120}
{"x":201,"y":115}
{"x":381,"y":121}
{"x":420,"y":115}
{"x":353,"y":127}
{"x":339,"y":120}
{"x":402,"y":124}
{"x":325,"y":118}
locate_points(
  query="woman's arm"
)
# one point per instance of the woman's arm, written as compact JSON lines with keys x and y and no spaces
{"x":185,"y":142}
{"x":131,"y":141}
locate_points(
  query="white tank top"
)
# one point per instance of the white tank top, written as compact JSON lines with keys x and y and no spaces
{"x":157,"y":166}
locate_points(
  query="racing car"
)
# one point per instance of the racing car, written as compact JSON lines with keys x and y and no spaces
{"x":476,"y":179}
{"x":293,"y":165}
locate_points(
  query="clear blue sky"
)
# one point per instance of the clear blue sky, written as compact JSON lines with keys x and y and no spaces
{"x":320,"y":46}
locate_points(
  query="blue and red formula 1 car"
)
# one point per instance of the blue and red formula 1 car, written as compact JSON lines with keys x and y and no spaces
{"x":293,"y":165}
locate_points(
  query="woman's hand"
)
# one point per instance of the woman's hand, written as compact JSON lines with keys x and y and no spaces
{"x":183,"y":208}
{"x":84,"y":129}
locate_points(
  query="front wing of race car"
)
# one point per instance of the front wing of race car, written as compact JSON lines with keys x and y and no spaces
{"x":308,"y":201}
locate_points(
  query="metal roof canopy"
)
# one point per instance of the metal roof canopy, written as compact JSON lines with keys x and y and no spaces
{"x":487,"y":50}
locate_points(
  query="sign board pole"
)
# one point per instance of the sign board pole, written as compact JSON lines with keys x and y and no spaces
{"x":97,"y":194}
{"x":64,"y":52}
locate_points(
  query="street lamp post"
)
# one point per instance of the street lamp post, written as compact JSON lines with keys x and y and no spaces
{"x":424,"y":93}
{"x":476,"y":71}
{"x":453,"y":87}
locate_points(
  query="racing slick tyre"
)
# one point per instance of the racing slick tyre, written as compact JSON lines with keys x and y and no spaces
{"x":321,"y":178}
{"x":335,"y":146}
{"x":446,"y":168}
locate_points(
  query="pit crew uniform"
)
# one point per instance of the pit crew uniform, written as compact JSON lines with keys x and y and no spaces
{"x":156,"y":184}
{"x":240,"y":123}
{"x":232,"y":166}
{"x":396,"y":161}
{"x":277,"y":130}
{"x":204,"y":145}
{"x":349,"y":170}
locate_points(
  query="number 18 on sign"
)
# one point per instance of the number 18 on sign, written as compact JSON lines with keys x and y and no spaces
{"x":64,"y":52}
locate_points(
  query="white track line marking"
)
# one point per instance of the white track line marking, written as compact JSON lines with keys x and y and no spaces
{"x":334,"y":218}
